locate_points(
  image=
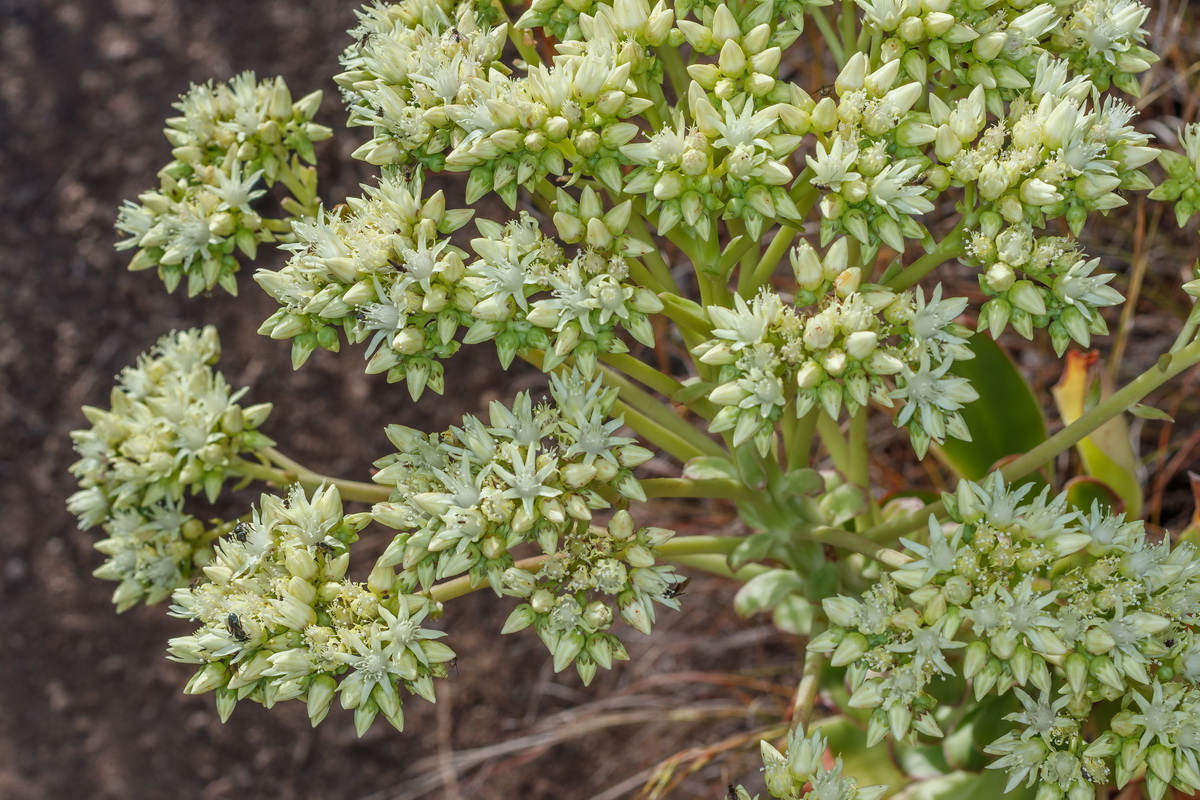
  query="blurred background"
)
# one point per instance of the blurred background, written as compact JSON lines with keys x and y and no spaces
{"x":89,"y":705}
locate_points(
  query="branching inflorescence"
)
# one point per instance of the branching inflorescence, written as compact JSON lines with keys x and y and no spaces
{"x":655,"y":166}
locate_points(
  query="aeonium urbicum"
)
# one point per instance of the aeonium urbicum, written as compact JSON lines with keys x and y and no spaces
{"x":731,"y":272}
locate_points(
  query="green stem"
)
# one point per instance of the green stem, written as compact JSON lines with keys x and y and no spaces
{"x":457,"y":587}
{"x":832,"y":40}
{"x":860,"y":454}
{"x":1168,"y":366}
{"x":806,"y":691}
{"x":527,"y":51}
{"x":658,"y":425}
{"x":689,"y":487}
{"x":846,"y":25}
{"x":654,"y":433}
{"x":1187,"y":333}
{"x":799,"y":445}
{"x":698,"y":545}
{"x":748,"y":282}
{"x":676,"y":71}
{"x":653,"y":260}
{"x":651,"y":408}
{"x":642,"y":372}
{"x":857,"y":449}
{"x":855,"y":543}
{"x":687,"y":315}
{"x":950,"y":247}
{"x":718,"y":565}
{"x":295,"y":473}
{"x":738,"y":247}
{"x":835,"y":443}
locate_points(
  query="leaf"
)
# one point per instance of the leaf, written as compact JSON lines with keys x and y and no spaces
{"x":794,"y":615}
{"x":1108,"y":453}
{"x":704,"y":468}
{"x":1083,"y":491}
{"x":1150,"y":412}
{"x":766,"y":591}
{"x":1006,"y":420}
{"x":753,"y":548}
{"x":693,"y":391}
{"x":843,"y":503}
{"x":987,"y":785}
{"x":802,"y":482}
{"x":750,"y":467}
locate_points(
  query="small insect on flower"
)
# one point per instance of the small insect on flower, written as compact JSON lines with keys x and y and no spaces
{"x":234,"y":624}
{"x":364,"y":40}
{"x":240,"y":532}
{"x":676,"y":589}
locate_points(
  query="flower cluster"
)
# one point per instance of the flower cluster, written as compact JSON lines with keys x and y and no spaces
{"x":839,"y":353}
{"x":174,"y":426}
{"x":380,"y":271}
{"x":231,"y":139}
{"x":1055,"y":287}
{"x":995,"y":45}
{"x":1052,"y":155}
{"x":1082,"y":615}
{"x":464,"y":500}
{"x":868,"y":165}
{"x":569,"y":593}
{"x":804,"y":765}
{"x":1182,"y":185}
{"x":375,"y":267}
{"x":280,"y":621}
{"x":435,"y":95}
{"x":412,"y":66}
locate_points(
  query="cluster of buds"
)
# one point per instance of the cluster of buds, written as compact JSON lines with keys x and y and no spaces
{"x":868,"y":166}
{"x":1081,"y":615}
{"x":536,"y":474}
{"x":381,"y":271}
{"x":633,"y":22}
{"x":1182,"y":185}
{"x":570,"y":594}
{"x":174,"y":426}
{"x":414,"y":65}
{"x":279,"y":621}
{"x":996,"y":44}
{"x":1038,"y":282}
{"x":231,"y":139}
{"x":804,"y":767}
{"x":1052,"y":155}
{"x":842,"y":352}
{"x":375,"y":268}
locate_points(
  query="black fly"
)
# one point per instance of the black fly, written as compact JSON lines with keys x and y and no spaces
{"x":240,"y":532}
{"x":234,"y":624}
{"x":677,"y":589}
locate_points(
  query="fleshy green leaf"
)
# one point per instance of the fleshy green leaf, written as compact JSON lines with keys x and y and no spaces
{"x":1006,"y":420}
{"x":766,"y":591}
{"x":1150,"y":412}
{"x":1108,"y":453}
